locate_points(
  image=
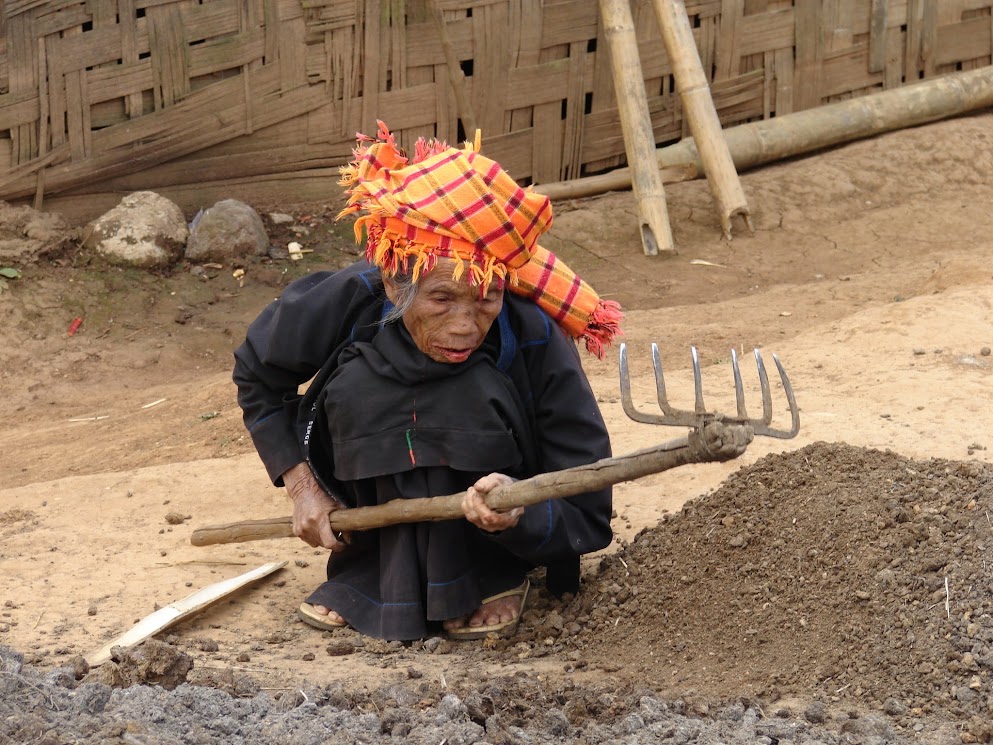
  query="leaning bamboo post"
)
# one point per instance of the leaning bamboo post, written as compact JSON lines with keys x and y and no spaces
{"x":757,"y":143}
{"x":636,"y":126}
{"x":694,"y":92}
{"x":455,"y":76}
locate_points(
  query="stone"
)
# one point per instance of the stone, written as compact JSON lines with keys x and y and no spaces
{"x":228,"y":230}
{"x":144,"y":230}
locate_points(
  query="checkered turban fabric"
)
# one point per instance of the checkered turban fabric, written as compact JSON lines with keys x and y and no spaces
{"x":456,"y":203}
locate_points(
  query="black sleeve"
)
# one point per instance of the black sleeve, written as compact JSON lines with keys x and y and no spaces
{"x":570,"y":432}
{"x":291,"y":340}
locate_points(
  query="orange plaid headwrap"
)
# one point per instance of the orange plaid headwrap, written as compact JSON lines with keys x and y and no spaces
{"x":455,"y":203}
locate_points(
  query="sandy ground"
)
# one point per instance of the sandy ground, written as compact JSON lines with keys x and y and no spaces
{"x":868,"y":275}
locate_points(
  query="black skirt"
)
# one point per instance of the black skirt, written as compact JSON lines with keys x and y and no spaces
{"x":402,"y":426}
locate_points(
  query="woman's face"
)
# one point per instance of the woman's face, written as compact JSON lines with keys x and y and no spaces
{"x":449,"y":318}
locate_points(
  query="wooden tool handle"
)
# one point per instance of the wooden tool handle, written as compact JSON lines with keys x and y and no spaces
{"x":247,"y":530}
{"x":716,"y":442}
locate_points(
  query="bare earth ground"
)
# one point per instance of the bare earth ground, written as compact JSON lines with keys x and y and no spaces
{"x":840,"y":580}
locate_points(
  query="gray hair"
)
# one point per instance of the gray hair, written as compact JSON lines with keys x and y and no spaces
{"x":403,"y":281}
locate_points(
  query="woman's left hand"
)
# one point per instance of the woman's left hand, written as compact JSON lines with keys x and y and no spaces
{"x":479,"y":514}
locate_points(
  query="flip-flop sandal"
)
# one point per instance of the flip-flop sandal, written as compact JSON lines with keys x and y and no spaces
{"x":504,"y":629}
{"x":308,"y":615}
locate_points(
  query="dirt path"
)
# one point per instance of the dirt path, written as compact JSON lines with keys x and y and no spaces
{"x":868,"y":275}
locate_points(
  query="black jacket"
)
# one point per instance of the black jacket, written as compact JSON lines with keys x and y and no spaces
{"x":301,"y":336}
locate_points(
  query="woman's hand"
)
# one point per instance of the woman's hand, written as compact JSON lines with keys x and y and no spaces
{"x":311,"y":505}
{"x":479,"y":514}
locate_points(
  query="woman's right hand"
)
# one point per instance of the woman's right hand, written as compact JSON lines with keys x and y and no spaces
{"x":311,"y":505}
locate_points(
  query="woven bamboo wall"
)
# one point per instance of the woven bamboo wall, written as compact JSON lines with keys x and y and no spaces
{"x":116,"y":95}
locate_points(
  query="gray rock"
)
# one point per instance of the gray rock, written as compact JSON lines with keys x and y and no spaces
{"x":894,"y":708}
{"x":230,"y":229}
{"x":632,"y":723}
{"x":816,"y":713}
{"x":452,"y":708}
{"x":651,"y":709}
{"x":144,"y":230}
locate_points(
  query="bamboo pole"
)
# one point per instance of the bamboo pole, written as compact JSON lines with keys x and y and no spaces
{"x":717,"y":441}
{"x":175,"y":612}
{"x":694,"y":92}
{"x":769,"y":140}
{"x":456,"y":78}
{"x":636,"y":126}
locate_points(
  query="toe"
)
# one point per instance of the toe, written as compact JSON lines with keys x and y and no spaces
{"x":332,"y":616}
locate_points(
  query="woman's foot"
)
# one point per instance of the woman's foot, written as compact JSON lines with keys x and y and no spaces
{"x":320,"y":617}
{"x":498,"y":614}
{"x":496,"y":611}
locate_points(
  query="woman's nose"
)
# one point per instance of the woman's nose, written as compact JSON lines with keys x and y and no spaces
{"x":464,"y":320}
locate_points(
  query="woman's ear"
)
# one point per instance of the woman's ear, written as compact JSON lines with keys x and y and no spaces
{"x":392,"y":291}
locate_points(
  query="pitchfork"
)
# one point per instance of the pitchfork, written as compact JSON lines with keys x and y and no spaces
{"x":712,"y":437}
{"x":700,"y":417}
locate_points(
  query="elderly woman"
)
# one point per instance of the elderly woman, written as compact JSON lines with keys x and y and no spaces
{"x":444,"y":363}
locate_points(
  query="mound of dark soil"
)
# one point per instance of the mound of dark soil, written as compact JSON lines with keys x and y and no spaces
{"x":834,"y":572}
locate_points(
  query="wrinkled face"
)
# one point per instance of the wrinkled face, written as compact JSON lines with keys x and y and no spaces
{"x":449,"y":319}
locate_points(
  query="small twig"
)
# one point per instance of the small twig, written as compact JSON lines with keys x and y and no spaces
{"x":233,"y":667}
{"x":29,"y":684}
{"x":154,"y":403}
{"x":133,"y":334}
{"x":204,"y":562}
{"x":39,"y":620}
{"x":623,"y":562}
{"x":849,"y":685}
{"x":948,"y":611}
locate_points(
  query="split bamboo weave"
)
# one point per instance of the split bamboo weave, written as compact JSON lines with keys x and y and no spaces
{"x":104,"y":95}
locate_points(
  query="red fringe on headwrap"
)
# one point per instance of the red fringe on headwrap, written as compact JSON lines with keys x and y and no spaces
{"x":603,"y":326}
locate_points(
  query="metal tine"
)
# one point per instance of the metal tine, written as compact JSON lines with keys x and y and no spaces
{"x":660,"y":380}
{"x":766,"y":393}
{"x":697,"y":384}
{"x":626,"y":400}
{"x":669,"y":416}
{"x":739,"y":389}
{"x":761,"y":426}
{"x":790,"y":399}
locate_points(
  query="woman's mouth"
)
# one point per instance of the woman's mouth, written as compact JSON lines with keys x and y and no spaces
{"x":454,"y":355}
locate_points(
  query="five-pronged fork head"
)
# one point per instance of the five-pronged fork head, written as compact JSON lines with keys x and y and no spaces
{"x":699,"y":416}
